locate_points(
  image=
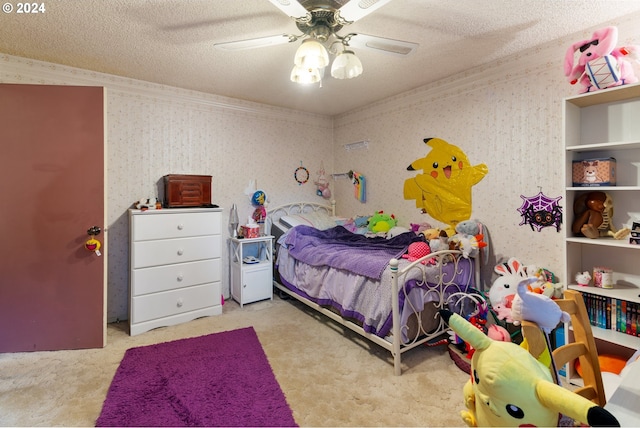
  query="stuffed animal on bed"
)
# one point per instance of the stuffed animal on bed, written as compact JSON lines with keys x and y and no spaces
{"x":600,"y":63}
{"x":509,"y":387}
{"x":381,"y":222}
{"x":417,"y":250}
{"x":467,"y":238}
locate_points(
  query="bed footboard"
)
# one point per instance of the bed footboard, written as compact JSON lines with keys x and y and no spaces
{"x":448,"y":263}
{"x":407,"y":296}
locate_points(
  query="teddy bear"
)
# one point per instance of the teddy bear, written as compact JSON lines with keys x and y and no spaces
{"x":600,"y":63}
{"x":593,"y":214}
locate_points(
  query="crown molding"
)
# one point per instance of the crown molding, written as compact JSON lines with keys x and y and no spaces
{"x":15,"y":69}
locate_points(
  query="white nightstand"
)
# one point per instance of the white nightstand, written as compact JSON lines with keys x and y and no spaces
{"x":251,"y":267}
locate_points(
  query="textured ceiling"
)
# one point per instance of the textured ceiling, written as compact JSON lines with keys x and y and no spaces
{"x":171,"y":42}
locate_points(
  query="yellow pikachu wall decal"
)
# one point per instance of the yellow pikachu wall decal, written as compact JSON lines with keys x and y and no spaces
{"x":443,"y":189}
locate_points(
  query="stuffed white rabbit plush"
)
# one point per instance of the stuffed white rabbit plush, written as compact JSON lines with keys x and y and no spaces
{"x":504,"y":287}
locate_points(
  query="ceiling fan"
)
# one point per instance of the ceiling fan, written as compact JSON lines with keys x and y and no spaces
{"x":320,"y":21}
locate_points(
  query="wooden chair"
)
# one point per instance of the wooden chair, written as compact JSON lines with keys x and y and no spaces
{"x":583,"y":347}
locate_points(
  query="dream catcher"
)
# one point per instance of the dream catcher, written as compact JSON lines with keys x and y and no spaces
{"x":301,"y":175}
{"x":541,"y":211}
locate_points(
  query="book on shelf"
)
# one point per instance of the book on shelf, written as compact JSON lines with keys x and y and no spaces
{"x":613,"y":314}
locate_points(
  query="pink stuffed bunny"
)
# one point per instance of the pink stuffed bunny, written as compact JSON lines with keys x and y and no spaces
{"x":600,"y":64}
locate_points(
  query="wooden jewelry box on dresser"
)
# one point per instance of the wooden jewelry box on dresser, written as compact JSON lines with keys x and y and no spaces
{"x":175,"y":266}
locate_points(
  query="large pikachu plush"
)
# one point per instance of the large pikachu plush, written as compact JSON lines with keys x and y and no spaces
{"x":509,"y":387}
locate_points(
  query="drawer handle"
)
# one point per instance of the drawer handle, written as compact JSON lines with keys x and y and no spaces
{"x":180,"y":252}
{"x":180,"y":277}
{"x":180,"y":227}
{"x":180,"y":302}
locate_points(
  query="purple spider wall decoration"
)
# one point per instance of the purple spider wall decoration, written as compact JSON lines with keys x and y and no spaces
{"x":541,"y":211}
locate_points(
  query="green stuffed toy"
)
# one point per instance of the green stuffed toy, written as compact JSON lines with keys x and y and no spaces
{"x":381,"y":222}
{"x":509,"y":387}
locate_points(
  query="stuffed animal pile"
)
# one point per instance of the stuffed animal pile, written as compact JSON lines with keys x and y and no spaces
{"x":504,"y":289}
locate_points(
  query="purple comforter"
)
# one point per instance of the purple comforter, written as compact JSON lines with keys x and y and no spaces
{"x":341,"y":249}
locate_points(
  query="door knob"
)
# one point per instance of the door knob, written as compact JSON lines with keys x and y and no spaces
{"x":92,"y":243}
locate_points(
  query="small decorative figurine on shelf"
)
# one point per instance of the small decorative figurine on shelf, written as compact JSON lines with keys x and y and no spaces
{"x":583,"y":278}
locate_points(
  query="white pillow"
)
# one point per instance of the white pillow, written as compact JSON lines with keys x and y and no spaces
{"x":318,"y":219}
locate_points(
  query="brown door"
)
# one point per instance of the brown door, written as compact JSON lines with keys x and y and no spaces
{"x":52,"y":289}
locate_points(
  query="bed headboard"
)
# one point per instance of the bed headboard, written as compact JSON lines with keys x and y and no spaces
{"x":274,"y":214}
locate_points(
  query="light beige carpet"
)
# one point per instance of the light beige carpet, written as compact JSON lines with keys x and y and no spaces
{"x":329,"y":376}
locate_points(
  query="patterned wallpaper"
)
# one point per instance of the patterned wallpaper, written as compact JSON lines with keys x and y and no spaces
{"x":154,"y":130}
{"x":507,"y":115}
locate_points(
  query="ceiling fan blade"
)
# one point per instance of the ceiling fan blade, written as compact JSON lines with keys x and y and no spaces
{"x":382,"y":44}
{"x":357,"y":9}
{"x":292,"y":8}
{"x":259,"y":42}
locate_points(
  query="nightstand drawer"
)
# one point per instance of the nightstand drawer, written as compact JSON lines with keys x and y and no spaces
{"x":169,"y":277}
{"x":168,"y":303}
{"x":152,"y":225}
{"x":157,"y":253}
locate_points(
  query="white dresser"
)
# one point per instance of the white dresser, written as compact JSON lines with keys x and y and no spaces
{"x":175,"y":266}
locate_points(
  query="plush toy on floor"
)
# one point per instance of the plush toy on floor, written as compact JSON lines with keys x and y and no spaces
{"x":509,"y":387}
{"x":600,"y":63}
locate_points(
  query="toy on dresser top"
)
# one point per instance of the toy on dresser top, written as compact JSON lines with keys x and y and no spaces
{"x":148,"y":204}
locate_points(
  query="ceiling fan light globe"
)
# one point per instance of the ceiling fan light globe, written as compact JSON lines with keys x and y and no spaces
{"x":346,"y":66}
{"x":311,"y":54}
{"x":305,"y":76}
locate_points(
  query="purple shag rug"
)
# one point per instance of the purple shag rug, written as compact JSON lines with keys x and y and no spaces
{"x":221,"y":379}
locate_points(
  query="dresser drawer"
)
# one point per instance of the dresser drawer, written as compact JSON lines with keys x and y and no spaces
{"x":157,"y":253}
{"x":164,"y":224}
{"x":169,"y":277}
{"x":168,"y":303}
